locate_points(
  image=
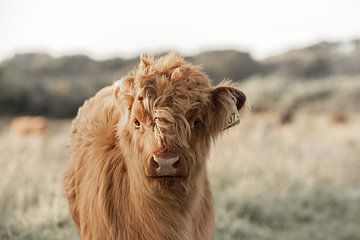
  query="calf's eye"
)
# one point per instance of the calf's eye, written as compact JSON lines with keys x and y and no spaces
{"x":137,"y":123}
{"x":197,"y":123}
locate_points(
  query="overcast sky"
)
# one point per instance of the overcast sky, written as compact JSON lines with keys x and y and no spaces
{"x":110,"y":28}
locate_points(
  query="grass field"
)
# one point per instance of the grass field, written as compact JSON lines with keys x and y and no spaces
{"x":270,"y":181}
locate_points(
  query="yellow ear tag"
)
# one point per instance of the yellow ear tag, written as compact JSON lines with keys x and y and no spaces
{"x":233,"y":118}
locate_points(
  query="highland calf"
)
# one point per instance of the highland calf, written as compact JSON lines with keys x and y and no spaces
{"x":139,"y":150}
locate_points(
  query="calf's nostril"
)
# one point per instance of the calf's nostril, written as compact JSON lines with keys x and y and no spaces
{"x":154,"y":163}
{"x":176,"y":164}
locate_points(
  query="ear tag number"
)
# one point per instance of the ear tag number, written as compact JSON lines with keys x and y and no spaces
{"x":233,"y":119}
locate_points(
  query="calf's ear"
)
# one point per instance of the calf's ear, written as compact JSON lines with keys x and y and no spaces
{"x":228,"y":103}
{"x":124,"y":91}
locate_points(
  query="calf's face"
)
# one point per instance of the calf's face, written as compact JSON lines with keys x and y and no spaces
{"x":169,"y":115}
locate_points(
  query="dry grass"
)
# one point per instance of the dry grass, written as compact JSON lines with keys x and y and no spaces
{"x":32,"y":201}
{"x":298,"y":181}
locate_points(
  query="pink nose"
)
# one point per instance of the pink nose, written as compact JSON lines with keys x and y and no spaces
{"x":166,"y":164}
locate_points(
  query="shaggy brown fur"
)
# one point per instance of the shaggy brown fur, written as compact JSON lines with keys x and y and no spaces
{"x":165,"y":104}
{"x":28,"y":125}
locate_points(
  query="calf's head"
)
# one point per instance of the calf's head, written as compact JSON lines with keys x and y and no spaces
{"x":169,"y":115}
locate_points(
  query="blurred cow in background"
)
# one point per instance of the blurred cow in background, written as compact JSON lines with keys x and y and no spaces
{"x":26,"y":125}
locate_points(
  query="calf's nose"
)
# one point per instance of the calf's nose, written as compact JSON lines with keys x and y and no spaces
{"x":166,"y":164}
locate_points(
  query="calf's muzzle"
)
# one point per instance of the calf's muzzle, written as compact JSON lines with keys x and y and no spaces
{"x":166,"y":164}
